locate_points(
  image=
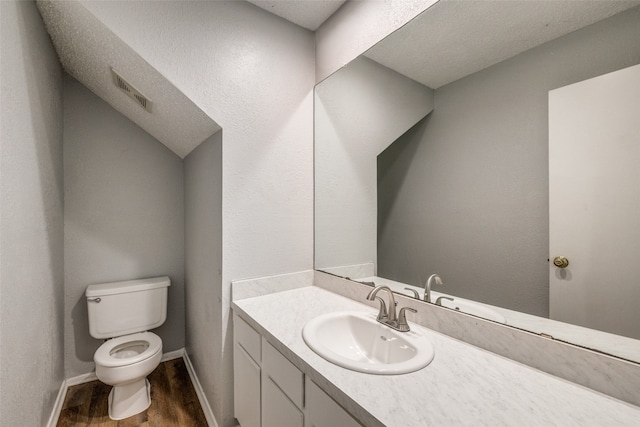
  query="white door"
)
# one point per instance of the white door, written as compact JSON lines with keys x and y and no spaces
{"x":594,"y":202}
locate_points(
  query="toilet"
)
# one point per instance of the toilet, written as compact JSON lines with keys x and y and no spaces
{"x":123,"y":313}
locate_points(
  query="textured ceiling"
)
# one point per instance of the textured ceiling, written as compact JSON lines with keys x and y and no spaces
{"x":88,"y":50}
{"x":454,"y":38}
{"x":309,"y":14}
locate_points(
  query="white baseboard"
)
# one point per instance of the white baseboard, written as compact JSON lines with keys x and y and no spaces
{"x":91,"y":376}
{"x":57,"y":405}
{"x":176,"y":354}
{"x":81,"y":379}
{"x":204,"y":403}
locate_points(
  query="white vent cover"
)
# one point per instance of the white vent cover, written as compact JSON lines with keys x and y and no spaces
{"x":131,"y":92}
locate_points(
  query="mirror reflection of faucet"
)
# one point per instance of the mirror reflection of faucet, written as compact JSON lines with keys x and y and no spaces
{"x":372,"y":283}
{"x":415,"y":295}
{"x":439,"y":301}
{"x":433,"y":279}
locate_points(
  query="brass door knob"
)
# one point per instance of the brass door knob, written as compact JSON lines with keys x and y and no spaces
{"x":560,"y":262}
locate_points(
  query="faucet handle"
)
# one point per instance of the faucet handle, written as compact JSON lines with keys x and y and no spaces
{"x":416,"y":295}
{"x":403,"y":326}
{"x":439,"y":300}
{"x":382,"y":314}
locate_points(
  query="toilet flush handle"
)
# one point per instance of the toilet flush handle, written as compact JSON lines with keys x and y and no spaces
{"x":94,"y":299}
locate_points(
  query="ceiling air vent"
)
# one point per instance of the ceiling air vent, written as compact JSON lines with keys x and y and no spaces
{"x":131,"y":92}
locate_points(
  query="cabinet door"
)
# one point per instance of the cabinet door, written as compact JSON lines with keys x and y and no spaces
{"x":322,"y":411}
{"x":277,"y":409}
{"x":246,"y":388}
{"x":283,"y":373}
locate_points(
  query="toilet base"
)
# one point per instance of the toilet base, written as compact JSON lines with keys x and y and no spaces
{"x":129,"y":399}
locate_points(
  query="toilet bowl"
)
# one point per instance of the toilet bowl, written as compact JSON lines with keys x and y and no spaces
{"x":124,"y":363}
{"x":123,"y":313}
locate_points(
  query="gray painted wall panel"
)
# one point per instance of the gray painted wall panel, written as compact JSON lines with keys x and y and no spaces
{"x":203,"y":257}
{"x":31,"y":224}
{"x":124,"y":216}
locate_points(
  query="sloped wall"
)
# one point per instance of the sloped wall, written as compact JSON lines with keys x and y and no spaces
{"x":357,"y":26}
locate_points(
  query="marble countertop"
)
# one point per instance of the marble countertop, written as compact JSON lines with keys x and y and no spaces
{"x":463,"y":385}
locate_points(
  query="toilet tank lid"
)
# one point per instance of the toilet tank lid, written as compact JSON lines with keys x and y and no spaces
{"x":113,"y":288}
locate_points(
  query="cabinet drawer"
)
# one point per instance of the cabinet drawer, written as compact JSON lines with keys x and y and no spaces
{"x":323,"y":411}
{"x":247,"y":337}
{"x":283,"y":373}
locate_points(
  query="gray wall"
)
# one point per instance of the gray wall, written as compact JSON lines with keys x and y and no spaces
{"x":359,"y":112}
{"x":465,"y":192}
{"x":31,"y":224}
{"x":203,"y":256}
{"x":124,"y":216}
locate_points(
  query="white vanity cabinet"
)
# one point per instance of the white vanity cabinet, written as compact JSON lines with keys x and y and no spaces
{"x":270,"y":391}
{"x":282,"y":390}
{"x":246,"y":365}
{"x":322,"y":411}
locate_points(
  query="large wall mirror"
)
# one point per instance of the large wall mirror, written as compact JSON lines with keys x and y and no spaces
{"x":443,"y":150}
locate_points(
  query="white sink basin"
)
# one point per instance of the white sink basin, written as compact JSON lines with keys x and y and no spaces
{"x":471,"y":308}
{"x":356,"y":341}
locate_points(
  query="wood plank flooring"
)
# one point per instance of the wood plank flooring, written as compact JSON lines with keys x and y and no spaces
{"x":173,"y":402}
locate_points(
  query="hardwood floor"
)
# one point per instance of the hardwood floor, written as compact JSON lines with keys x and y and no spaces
{"x":173,"y":402}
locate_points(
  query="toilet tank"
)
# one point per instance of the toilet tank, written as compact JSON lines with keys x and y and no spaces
{"x":122,"y":308}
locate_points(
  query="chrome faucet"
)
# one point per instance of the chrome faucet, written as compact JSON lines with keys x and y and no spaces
{"x":433,"y":279}
{"x":388,"y":316}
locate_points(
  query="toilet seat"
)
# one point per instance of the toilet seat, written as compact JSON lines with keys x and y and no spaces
{"x":128,"y":349}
